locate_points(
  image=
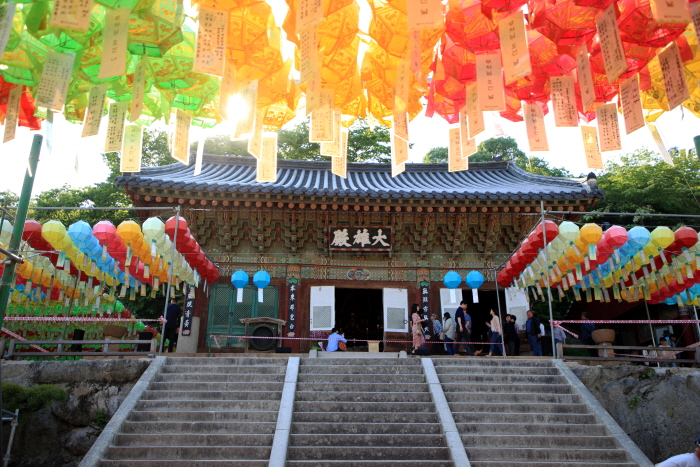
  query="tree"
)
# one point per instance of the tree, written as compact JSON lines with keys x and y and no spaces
{"x":155,"y":152}
{"x":8,"y":198}
{"x":502,"y":148}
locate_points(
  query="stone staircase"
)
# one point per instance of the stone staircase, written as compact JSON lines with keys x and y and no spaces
{"x":198,"y":412}
{"x":524,"y":413}
{"x":364,"y":413}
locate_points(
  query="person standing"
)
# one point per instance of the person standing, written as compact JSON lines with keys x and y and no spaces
{"x":459,"y":325}
{"x":334,"y":339}
{"x":559,"y":338}
{"x":449,"y":330}
{"x":587,"y":329}
{"x":532,"y":330}
{"x":495,"y":325}
{"x":684,"y":460}
{"x":467,"y":334}
{"x":172,"y":323}
{"x":417,"y":321}
{"x":437,"y":343}
{"x":510,"y":335}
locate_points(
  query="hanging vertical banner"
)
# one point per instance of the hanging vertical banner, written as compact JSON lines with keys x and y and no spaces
{"x":255,"y":140}
{"x":55,"y":79}
{"x":564,"y":101}
{"x":188,"y":313}
{"x":181,"y":141}
{"x":309,"y":12}
{"x":415,"y":54}
{"x":631,"y":104}
{"x":396,"y":168}
{"x":608,"y":128}
{"x":322,"y":118}
{"x":468,"y":149}
{"x":292,"y":307}
{"x":694,"y":13}
{"x":249,"y":94}
{"x":660,"y":143}
{"x":339,"y":165}
{"x":474,"y":116}
{"x":138,"y":89}
{"x":12,"y":113}
{"x":95,"y":109}
{"x":131,"y":153}
{"x":227,"y":89}
{"x":115,"y":36}
{"x":308,"y":52}
{"x":514,"y":49}
{"x":674,"y":77}
{"x":402,"y":86}
{"x":71,"y":14}
{"x":200,"y":151}
{"x":210,"y":48}
{"x":313,"y":90}
{"x":534,"y":124}
{"x":610,"y":44}
{"x":455,"y":161}
{"x":7,"y":13}
{"x":400,"y":126}
{"x":267,"y":164}
{"x":399,"y":148}
{"x":332,"y":148}
{"x":489,"y":81}
{"x":424,"y":14}
{"x":585,"y":77}
{"x":594,"y":158}
{"x":670,"y":11}
{"x":115,"y":126}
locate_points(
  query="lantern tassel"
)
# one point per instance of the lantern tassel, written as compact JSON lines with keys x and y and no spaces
{"x":239,"y":295}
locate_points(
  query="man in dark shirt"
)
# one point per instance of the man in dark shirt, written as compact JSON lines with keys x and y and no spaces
{"x":587,"y":334}
{"x":463,"y":324}
{"x":172,"y":323}
{"x":532,"y":329}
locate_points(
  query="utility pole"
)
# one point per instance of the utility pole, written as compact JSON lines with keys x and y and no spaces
{"x":18,"y":228}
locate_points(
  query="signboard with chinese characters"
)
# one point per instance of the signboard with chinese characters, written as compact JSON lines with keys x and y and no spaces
{"x":425,"y":309}
{"x":188,"y":313}
{"x":343,"y":238}
{"x":292,"y":308}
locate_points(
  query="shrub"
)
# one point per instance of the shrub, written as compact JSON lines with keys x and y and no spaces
{"x":32,"y":398}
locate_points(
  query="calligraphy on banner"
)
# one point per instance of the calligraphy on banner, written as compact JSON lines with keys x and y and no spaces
{"x":255,"y":140}
{"x":399,"y":148}
{"x":339,"y":165}
{"x":611,"y":44}
{"x":309,"y":12}
{"x":670,"y":11}
{"x":585,"y":77}
{"x":534,"y":124}
{"x":138,"y":89}
{"x":424,"y":14}
{"x":455,"y":160}
{"x":12,"y":114}
{"x":292,"y":307}
{"x":322,"y":118}
{"x":608,"y":127}
{"x":594,"y":159}
{"x":396,"y":167}
{"x":332,"y":148}
{"x":564,"y":101}
{"x":308,"y":52}
{"x":267,"y":164}
{"x":694,"y":13}
{"x":425,"y":307}
{"x":96,"y":106}
{"x":514,"y":49}
{"x":401,"y":89}
{"x":674,"y":77}
{"x":468,"y":145}
{"x":489,"y":81}
{"x":71,"y":14}
{"x":188,"y":313}
{"x":249,"y":95}
{"x":131,"y":153}
{"x":631,"y":104}
{"x":474,"y":116}
{"x":228,"y":88}
{"x":7,"y":13}
{"x":55,"y":78}
{"x":181,"y":141}
{"x":400,"y":126}
{"x":210,"y":51}
{"x":313,"y":90}
{"x":115,"y":38}
{"x":115,"y":126}
{"x":354,"y":238}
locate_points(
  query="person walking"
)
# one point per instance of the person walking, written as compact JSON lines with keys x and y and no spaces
{"x":495,"y":325}
{"x":510,"y":335}
{"x":559,"y":338}
{"x":691,"y":459}
{"x":449,"y":330}
{"x":416,"y":320}
{"x":587,"y":334}
{"x":334,"y":341}
{"x":532,"y":331}
{"x":172,"y":323}
{"x":459,"y":325}
{"x":437,"y":344}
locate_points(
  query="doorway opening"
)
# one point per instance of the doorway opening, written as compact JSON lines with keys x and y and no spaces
{"x":480,"y":314}
{"x":358,"y":313}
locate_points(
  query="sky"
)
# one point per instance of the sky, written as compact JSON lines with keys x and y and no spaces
{"x":78,"y":161}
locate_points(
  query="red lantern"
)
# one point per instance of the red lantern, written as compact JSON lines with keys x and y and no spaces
{"x":528,"y":249}
{"x":685,"y":237}
{"x":182,"y":229}
{"x":615,"y":236}
{"x":603,"y":247}
{"x":104,"y":231}
{"x":550,"y":230}
{"x":32,"y":230}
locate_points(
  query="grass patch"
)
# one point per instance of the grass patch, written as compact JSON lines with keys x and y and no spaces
{"x":30,"y":399}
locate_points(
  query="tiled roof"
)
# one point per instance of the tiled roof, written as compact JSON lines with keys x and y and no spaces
{"x":483,"y":180}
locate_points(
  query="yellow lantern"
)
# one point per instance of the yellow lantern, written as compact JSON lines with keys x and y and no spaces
{"x":592,"y":233}
{"x":662,"y":237}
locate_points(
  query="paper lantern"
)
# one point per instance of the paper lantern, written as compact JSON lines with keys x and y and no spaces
{"x":685,"y":237}
{"x":240,"y":280}
{"x":550,"y":230}
{"x":153,"y":228}
{"x":452,"y":281}
{"x":638,"y":237}
{"x":569,"y":232}
{"x":182,"y":228}
{"x":261,"y":279}
{"x":6,"y":232}
{"x":104,"y":231}
{"x":80,"y":232}
{"x":474,"y":280}
{"x":662,"y":237}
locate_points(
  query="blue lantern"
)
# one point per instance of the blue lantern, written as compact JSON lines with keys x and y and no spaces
{"x":239,"y":279}
{"x":474,"y":280}
{"x":80,"y":232}
{"x":452,"y":281}
{"x":261,"y":279}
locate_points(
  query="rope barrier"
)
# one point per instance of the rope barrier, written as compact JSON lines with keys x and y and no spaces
{"x":17,"y":336}
{"x":216,"y":341}
{"x":630,"y":321}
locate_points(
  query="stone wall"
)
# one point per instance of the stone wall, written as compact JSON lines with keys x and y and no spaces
{"x":659,"y":408}
{"x":60,"y":435}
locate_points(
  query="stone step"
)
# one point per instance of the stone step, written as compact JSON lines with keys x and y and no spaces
{"x":361,"y":378}
{"x":526,"y":441}
{"x":397,"y":454}
{"x":313,"y":406}
{"x":525,"y":418}
{"x":227,"y":361}
{"x":361,"y":369}
{"x":551,"y":455}
{"x":191,"y":439}
{"x":177,"y":463}
{"x":273,"y":387}
{"x":369,"y":418}
{"x":197,"y":416}
{"x":509,"y":407}
{"x":221,"y":394}
{"x":472,"y":378}
{"x":227,"y":369}
{"x":228,"y":405}
{"x":550,"y":464}
{"x":495,"y":370}
{"x":360,"y":361}
{"x":365,"y":428}
{"x":510,"y":429}
{"x":260,"y":428}
{"x":363,"y":396}
{"x":191,"y":453}
{"x":368,"y":463}
{"x":218,"y":378}
{"x":363,"y":387}
{"x":491,"y":362}
{"x":455,"y":384}
{"x":373,"y":440}
{"x":512,"y":397}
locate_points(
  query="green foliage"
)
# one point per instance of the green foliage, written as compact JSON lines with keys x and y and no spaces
{"x":641,"y":182}
{"x":560,"y":308}
{"x":633,"y":402}
{"x":154,"y":153}
{"x":8,"y":198}
{"x":101,"y":418}
{"x":436,"y":156}
{"x":145,"y":307}
{"x":648,"y":374}
{"x":32,"y":398}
